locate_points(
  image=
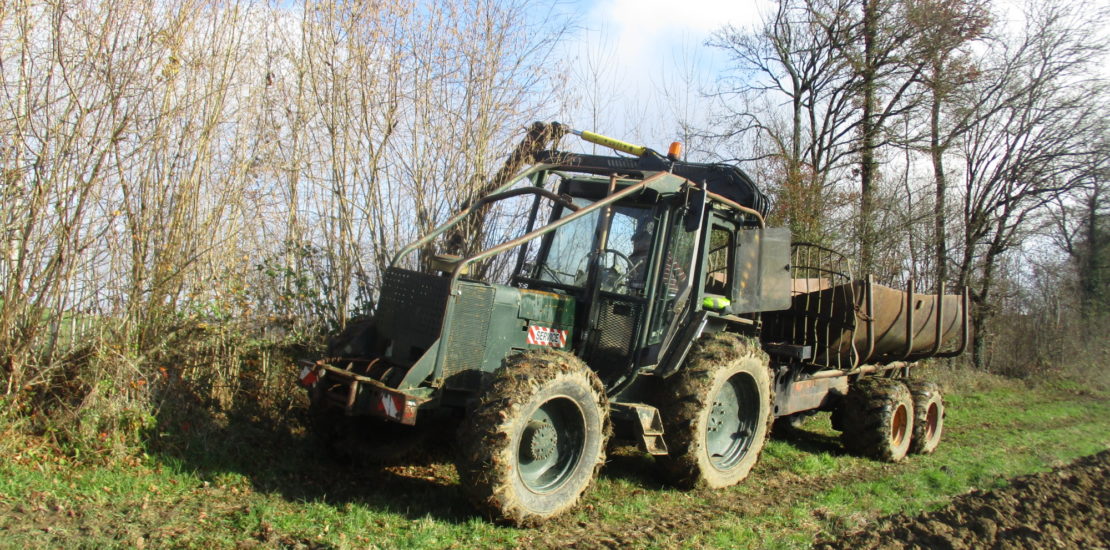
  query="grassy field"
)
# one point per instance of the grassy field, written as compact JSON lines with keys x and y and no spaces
{"x":254,"y":484}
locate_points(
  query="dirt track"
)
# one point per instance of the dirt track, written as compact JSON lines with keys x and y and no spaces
{"x":1068,"y":507}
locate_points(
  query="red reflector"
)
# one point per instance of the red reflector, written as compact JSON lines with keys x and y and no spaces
{"x":308,"y":377}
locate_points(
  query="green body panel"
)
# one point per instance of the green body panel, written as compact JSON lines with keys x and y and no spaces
{"x":486,"y":323}
{"x":546,"y":308}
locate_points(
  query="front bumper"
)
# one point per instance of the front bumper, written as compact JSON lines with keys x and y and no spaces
{"x":358,"y":395}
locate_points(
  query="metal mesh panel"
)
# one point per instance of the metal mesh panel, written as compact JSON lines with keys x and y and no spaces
{"x":411,"y":305}
{"x":822,"y":307}
{"x":466,"y":345}
{"x":612,"y":352}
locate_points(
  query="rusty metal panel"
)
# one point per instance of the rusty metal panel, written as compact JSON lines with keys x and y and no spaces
{"x":861,"y":323}
{"x":793,"y":396}
{"x":763,"y":270}
{"x":891,"y":339}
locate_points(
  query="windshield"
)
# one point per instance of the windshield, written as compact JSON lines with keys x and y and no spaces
{"x":623,"y":261}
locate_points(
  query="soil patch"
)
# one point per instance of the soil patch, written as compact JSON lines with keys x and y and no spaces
{"x":1068,"y":507}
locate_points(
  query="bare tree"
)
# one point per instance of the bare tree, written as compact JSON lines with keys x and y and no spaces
{"x":794,"y":57}
{"x":945,"y":30}
{"x":1040,"y":141}
{"x":1081,"y":228}
{"x":170,"y":168}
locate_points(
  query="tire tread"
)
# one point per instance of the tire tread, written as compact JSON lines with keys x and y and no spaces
{"x":485,"y":458}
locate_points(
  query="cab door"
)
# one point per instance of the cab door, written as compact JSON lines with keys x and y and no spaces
{"x":620,"y":291}
{"x":674,"y":278}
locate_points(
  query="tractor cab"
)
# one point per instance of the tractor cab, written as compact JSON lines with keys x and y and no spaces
{"x":675,"y":252}
{"x":630,"y":268}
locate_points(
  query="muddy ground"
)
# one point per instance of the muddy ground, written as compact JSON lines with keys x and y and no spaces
{"x":1068,"y":507}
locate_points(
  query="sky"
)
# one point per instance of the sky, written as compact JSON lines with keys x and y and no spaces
{"x":649,"y":28}
{"x":647,"y":50}
{"x":643,"y":47}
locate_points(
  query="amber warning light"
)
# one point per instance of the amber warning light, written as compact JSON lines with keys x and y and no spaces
{"x":675,"y":150}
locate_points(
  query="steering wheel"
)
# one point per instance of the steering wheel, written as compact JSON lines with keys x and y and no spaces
{"x":613,"y":276}
{"x":619,"y":255}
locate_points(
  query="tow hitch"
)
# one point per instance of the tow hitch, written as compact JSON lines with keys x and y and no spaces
{"x":357,"y":394}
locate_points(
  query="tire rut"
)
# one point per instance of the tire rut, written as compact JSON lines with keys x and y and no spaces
{"x":672,"y":522}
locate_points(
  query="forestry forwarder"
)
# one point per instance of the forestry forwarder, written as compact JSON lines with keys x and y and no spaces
{"x":652,"y":306}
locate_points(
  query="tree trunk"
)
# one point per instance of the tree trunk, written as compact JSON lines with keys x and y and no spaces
{"x":936,"y":151}
{"x":868,"y":131}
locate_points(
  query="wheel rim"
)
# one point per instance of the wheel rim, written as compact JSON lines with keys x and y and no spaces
{"x":898,"y":425}
{"x":732,"y":421}
{"x":932,"y":419}
{"x":551,"y":445}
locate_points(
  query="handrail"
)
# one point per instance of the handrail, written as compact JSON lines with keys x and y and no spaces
{"x":965,"y":335}
{"x":820,"y":247}
{"x":869,"y":298}
{"x":939,"y":330}
{"x":459,"y":217}
{"x":738,"y":206}
{"x":459,"y":267}
{"x":909,"y":318}
{"x":564,"y":200}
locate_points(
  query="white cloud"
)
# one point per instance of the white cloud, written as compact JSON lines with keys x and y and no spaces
{"x":646,"y":28}
{"x":640,"y":42}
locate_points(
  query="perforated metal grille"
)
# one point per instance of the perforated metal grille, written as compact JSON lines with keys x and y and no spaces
{"x":613,"y":350}
{"x":466,"y":345}
{"x":412,"y":304}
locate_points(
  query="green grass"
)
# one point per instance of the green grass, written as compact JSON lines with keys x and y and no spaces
{"x":990,"y":437}
{"x":256,"y":486}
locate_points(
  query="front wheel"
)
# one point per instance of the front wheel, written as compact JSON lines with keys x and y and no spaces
{"x":716,"y":413}
{"x":536,"y":439}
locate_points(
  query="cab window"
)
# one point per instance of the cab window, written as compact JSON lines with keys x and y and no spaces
{"x":719,"y":261}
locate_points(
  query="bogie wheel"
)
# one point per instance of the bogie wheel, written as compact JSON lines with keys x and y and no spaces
{"x":928,"y":417}
{"x":536,"y":439}
{"x":716,"y":413}
{"x":877,"y":416}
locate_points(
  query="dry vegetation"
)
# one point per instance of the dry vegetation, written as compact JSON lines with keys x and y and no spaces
{"x":194,"y":190}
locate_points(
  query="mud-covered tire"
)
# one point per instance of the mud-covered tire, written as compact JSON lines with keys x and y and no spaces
{"x":716,"y":413}
{"x":928,"y":416}
{"x":876,"y":418}
{"x":535,"y":441}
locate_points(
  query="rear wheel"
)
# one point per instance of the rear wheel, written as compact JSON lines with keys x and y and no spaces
{"x":928,"y":417}
{"x":536,"y":439}
{"x":876,"y":417}
{"x":716,"y":413}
